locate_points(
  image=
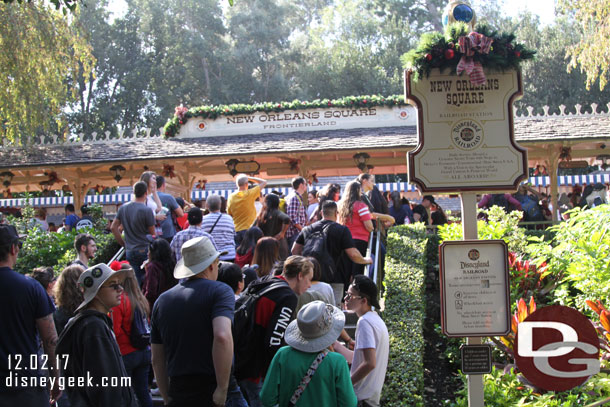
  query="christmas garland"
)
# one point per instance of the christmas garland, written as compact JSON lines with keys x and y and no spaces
{"x":436,"y":50}
{"x":182,"y":114}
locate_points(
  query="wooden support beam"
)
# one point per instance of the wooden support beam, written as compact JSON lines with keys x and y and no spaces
{"x":551,"y":166}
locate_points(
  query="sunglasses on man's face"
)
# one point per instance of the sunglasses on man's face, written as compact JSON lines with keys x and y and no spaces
{"x":349,"y":296}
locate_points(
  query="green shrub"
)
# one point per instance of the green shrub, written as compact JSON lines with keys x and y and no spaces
{"x":579,"y":256}
{"x":404,"y":316}
{"x":500,"y":225}
{"x":505,"y":390}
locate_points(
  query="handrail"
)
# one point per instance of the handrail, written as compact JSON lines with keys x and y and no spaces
{"x":117,"y":255}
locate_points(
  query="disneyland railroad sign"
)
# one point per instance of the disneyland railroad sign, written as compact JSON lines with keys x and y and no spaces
{"x":474,"y":288}
{"x":466,"y":139}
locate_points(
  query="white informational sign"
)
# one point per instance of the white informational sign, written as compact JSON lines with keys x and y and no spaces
{"x":466,"y":136}
{"x":474,"y":288}
{"x":331,"y":118}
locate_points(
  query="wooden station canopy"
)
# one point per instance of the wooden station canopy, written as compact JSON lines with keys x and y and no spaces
{"x":328,"y":141}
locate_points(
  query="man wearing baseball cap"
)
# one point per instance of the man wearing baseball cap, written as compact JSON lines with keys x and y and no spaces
{"x":192,"y":342}
{"x":88,"y":344}
{"x":27,"y":311}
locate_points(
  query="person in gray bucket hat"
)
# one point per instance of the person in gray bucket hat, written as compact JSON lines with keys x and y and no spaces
{"x":191,"y":338}
{"x":88,"y":345}
{"x":307,"y":372}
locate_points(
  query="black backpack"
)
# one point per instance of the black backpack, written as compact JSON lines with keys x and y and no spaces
{"x":246,"y":343}
{"x":316,"y":246}
{"x":140,"y":330}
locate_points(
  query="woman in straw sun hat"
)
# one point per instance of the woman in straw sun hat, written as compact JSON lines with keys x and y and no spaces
{"x":306,"y":373}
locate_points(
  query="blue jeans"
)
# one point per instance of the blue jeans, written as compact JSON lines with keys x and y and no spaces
{"x":137,"y":364}
{"x":252,"y":392}
{"x":235,"y":398}
{"x":290,"y":240}
{"x":135,"y":259}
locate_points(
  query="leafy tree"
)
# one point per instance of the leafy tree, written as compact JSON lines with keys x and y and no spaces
{"x":545,"y":79}
{"x":422,"y":15}
{"x":591,"y":52}
{"x":260,"y":33}
{"x":64,"y":5}
{"x":40,"y":50}
{"x":185,"y":44}
{"x":116,"y":92}
{"x":353,"y":51}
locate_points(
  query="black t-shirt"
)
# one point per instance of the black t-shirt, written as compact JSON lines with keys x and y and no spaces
{"x":22,"y":300}
{"x":421,"y":210}
{"x":338,"y":239}
{"x":274,"y":225}
{"x":182,"y":321}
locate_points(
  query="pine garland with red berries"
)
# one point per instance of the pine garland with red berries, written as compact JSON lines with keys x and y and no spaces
{"x":437,"y":50}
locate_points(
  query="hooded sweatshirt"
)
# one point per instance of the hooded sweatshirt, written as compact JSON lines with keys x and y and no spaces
{"x":93,"y":357}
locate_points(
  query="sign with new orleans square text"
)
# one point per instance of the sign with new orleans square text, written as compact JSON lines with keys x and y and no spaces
{"x":331,"y":118}
{"x":466,"y":138}
{"x":474,"y":288}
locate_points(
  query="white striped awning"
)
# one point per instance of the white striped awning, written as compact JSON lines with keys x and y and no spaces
{"x":59,"y":201}
{"x":115,"y":199}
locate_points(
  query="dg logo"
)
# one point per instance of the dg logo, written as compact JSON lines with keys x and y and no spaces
{"x":557,"y":348}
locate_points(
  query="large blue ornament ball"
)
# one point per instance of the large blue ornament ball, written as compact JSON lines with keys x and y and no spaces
{"x":463,"y":12}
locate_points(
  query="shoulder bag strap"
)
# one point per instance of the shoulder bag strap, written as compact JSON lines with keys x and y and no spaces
{"x":307,"y":378}
{"x":215,"y":223}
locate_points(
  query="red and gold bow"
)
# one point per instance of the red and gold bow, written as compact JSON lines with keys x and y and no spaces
{"x":473,"y":43}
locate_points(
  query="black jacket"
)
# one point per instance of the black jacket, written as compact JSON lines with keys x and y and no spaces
{"x":93,"y":355}
{"x":273,"y":312}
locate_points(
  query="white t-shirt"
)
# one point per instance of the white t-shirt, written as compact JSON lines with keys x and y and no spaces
{"x":150,"y":202}
{"x":371,"y":332}
{"x":311,"y":209}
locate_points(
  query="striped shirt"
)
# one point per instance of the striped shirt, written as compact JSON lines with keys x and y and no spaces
{"x":360,"y":214}
{"x":184,"y":236}
{"x":223,"y":233}
{"x":297,"y":213}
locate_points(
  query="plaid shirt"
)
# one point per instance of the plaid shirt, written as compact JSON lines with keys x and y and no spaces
{"x":297,"y":213}
{"x":185,"y":235}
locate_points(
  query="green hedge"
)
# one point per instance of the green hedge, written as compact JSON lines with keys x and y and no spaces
{"x":404,"y":314}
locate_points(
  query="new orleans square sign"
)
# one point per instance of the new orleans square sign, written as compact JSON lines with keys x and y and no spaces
{"x":466,"y":137}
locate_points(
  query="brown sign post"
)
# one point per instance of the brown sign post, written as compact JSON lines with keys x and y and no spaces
{"x":466,"y":144}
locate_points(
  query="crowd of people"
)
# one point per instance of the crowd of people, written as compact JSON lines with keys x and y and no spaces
{"x":536,"y":207}
{"x":170,"y":316}
{"x":225,"y":302}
